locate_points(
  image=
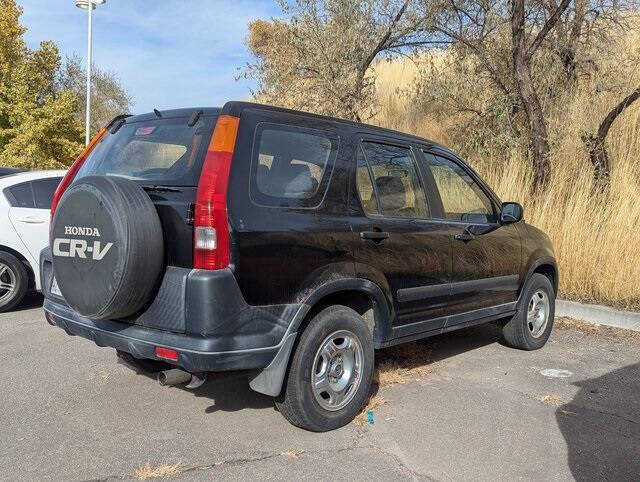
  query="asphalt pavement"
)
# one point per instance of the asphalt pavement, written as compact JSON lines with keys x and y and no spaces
{"x":483,"y":411}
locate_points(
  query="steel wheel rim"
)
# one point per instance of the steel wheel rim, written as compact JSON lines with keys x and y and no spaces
{"x":336,"y":372}
{"x":538,"y":313}
{"x":7,"y":282}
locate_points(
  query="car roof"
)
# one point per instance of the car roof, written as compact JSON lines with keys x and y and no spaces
{"x":10,"y":170}
{"x":17,"y":178}
{"x":236,"y":107}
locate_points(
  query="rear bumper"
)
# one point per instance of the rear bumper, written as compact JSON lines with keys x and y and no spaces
{"x":200,"y":314}
{"x":195,"y":354}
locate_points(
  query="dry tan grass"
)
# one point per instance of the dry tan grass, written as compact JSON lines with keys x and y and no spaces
{"x":402,"y":363}
{"x":294,"y":454}
{"x":161,"y":471}
{"x":596,"y":238}
{"x":576,"y":325}
{"x":397,"y":365}
{"x":591,"y":329}
{"x":550,"y":399}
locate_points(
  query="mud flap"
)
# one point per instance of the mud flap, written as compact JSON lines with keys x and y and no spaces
{"x":268,"y":381}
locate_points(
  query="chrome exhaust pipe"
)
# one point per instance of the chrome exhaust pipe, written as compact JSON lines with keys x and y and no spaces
{"x":173,"y":377}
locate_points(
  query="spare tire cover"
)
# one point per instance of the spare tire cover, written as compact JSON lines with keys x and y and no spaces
{"x":107,"y":246}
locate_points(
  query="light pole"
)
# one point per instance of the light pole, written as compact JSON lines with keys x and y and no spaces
{"x":89,"y":6}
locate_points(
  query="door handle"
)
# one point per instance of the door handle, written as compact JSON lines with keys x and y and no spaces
{"x":374,"y":235}
{"x":465,"y":237}
{"x":30,"y":220}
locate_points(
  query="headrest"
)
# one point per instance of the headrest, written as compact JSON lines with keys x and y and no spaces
{"x":392,"y":193}
{"x":298,"y":180}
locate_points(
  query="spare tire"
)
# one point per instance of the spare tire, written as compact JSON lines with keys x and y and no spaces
{"x":107,"y":246}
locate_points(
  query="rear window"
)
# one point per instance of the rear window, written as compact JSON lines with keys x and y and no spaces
{"x":43,"y":191}
{"x":162,"y":151}
{"x":291,"y":165}
{"x":20,"y":195}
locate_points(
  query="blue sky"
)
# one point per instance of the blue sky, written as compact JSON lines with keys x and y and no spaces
{"x":167,"y":53}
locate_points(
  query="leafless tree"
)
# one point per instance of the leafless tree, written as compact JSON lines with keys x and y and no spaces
{"x":321,"y":57}
{"x":523,"y":51}
{"x":595,"y":143}
{"x":108,"y":96}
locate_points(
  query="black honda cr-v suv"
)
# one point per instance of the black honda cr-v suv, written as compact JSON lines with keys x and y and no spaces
{"x":285,"y":244}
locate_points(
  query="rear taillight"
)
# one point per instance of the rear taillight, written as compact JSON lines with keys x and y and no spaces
{"x":211,"y":248}
{"x":73,"y":170}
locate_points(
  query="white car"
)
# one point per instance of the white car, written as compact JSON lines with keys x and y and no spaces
{"x":25,"y":199}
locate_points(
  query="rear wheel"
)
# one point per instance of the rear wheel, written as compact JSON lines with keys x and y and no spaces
{"x":14,"y":281}
{"x":331,"y":371}
{"x":531,"y":326}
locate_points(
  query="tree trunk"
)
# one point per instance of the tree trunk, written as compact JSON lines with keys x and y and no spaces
{"x":595,"y":143}
{"x":530,"y":102}
{"x":599,"y":160}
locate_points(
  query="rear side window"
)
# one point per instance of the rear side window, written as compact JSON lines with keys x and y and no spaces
{"x":291,"y":166}
{"x":162,"y":151}
{"x":43,"y":191}
{"x":20,"y":195}
{"x":393,"y":176}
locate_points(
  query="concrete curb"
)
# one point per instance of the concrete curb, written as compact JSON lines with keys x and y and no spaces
{"x":598,"y":314}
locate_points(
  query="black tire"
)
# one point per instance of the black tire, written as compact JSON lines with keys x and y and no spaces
{"x":297,"y":403}
{"x":519,"y":332}
{"x":12,"y":271}
{"x":117,"y":271}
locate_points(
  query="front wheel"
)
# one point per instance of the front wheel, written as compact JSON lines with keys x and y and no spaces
{"x":530,"y":327}
{"x":331,"y":371}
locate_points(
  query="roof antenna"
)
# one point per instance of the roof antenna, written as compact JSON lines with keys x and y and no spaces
{"x":157,"y":113}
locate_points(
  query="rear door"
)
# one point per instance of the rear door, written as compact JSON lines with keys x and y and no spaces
{"x":486,"y":254}
{"x":29,"y":212}
{"x":399,"y":246}
{"x":164,"y":156}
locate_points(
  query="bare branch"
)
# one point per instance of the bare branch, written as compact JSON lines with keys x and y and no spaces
{"x":382,"y":44}
{"x":603,"y":130}
{"x":546,"y":28}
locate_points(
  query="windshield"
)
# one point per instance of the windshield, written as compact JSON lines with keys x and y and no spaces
{"x":158,"y":152}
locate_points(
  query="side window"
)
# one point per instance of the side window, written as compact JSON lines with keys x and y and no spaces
{"x":365,"y":184}
{"x":291,"y":166}
{"x":43,"y":191}
{"x":20,"y":195}
{"x":462,"y":198}
{"x":396,"y":180}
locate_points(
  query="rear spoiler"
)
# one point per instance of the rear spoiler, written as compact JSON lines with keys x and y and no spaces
{"x":116,"y":119}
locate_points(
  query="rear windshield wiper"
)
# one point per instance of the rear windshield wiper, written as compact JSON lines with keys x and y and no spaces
{"x":158,"y":188}
{"x":194,"y":118}
{"x":118,"y":125}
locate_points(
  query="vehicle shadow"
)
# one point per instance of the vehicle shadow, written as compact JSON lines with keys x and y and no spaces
{"x":601,"y":426}
{"x":32,"y":299}
{"x":230,"y":391}
{"x":424,"y":352}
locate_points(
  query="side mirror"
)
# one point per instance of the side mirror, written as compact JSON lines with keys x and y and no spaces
{"x":510,"y":213}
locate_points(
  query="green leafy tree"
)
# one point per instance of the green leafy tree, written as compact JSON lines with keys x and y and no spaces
{"x":38,"y":123}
